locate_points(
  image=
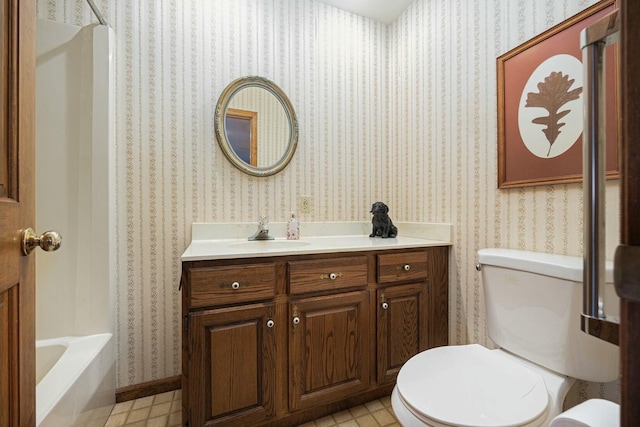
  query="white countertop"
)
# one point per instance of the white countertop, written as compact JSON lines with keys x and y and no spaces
{"x":211,"y":241}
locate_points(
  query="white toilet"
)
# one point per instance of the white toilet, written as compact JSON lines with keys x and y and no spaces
{"x":533,"y":304}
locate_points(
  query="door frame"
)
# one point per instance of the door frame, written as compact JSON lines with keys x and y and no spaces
{"x":17,"y":212}
{"x":629,"y":88}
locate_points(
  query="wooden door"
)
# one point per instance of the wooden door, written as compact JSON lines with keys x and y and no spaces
{"x":232,"y":367}
{"x":17,"y":272}
{"x":328,"y":348}
{"x":401,"y":327}
{"x":630,"y":212}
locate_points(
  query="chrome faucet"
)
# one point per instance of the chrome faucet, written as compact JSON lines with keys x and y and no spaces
{"x":263,"y":231}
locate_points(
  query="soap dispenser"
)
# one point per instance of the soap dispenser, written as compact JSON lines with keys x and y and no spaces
{"x":293,"y":228}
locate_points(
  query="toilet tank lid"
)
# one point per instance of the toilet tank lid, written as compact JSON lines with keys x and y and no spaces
{"x":560,"y":266}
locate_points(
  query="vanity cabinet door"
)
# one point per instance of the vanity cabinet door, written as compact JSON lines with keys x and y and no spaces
{"x":402,"y":327}
{"x":232,"y":367}
{"x":328,"y":348}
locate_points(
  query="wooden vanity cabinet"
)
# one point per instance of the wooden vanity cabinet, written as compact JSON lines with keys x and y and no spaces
{"x":280,"y":341}
{"x":229,"y":348}
{"x":411,"y":307}
{"x":329,"y":333}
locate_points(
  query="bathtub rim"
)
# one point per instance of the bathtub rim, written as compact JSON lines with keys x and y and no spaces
{"x":80,"y":353}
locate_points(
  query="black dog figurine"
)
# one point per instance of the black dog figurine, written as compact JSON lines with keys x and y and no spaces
{"x":382,"y":224}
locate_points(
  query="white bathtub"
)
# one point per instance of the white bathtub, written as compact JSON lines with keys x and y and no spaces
{"x":74,"y":375}
{"x":75,"y":182}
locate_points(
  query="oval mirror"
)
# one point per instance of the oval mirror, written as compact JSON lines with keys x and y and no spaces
{"x":256,"y":126}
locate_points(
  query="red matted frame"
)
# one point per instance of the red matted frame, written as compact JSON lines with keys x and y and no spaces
{"x":517,"y":165}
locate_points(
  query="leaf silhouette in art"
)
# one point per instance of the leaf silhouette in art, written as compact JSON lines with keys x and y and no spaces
{"x":552,"y":94}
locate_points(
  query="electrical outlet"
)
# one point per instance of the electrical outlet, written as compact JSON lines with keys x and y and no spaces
{"x":304,"y":204}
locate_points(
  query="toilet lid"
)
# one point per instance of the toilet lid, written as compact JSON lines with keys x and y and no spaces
{"x":470,"y":385}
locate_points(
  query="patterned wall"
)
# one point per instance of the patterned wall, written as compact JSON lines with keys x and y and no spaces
{"x":404,"y":113}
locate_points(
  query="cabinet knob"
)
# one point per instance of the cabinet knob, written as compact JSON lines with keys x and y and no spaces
{"x":332,"y":276}
{"x":385,"y":305}
{"x":270,"y":323}
{"x":296,"y":320}
{"x":407,"y":267}
{"x":235,"y":285}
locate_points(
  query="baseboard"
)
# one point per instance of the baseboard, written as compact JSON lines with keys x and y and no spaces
{"x":150,"y":388}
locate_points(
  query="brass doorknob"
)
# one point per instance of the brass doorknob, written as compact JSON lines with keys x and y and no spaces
{"x":48,"y":241}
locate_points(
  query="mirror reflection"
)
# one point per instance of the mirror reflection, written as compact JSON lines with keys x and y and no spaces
{"x":256,"y":126}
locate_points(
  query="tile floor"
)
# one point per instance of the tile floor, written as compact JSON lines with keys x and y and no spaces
{"x":377,"y":413}
{"x":160,"y":410}
{"x":165,"y":410}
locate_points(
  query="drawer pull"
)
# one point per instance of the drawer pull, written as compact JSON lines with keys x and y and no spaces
{"x":385,"y":305}
{"x":235,"y":285}
{"x":270,"y":323}
{"x":296,"y":320}
{"x":407,"y":267}
{"x":331,"y":276}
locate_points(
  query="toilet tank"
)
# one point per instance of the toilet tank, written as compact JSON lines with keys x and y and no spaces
{"x":534,"y":302}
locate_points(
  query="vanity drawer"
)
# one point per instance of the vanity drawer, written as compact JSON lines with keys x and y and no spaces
{"x":229,"y":285}
{"x":402,"y":266}
{"x":327,"y":274}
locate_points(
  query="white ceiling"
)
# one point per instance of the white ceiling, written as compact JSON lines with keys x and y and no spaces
{"x":385,"y":11}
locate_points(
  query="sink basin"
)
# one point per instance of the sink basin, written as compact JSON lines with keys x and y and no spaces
{"x":269,"y":244}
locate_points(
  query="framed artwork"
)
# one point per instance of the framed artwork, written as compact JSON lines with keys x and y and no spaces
{"x":540,"y":106}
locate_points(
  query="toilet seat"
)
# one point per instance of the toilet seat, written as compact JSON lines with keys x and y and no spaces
{"x":470,"y":385}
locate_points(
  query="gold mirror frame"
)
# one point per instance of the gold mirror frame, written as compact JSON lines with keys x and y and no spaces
{"x":220,"y":127}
